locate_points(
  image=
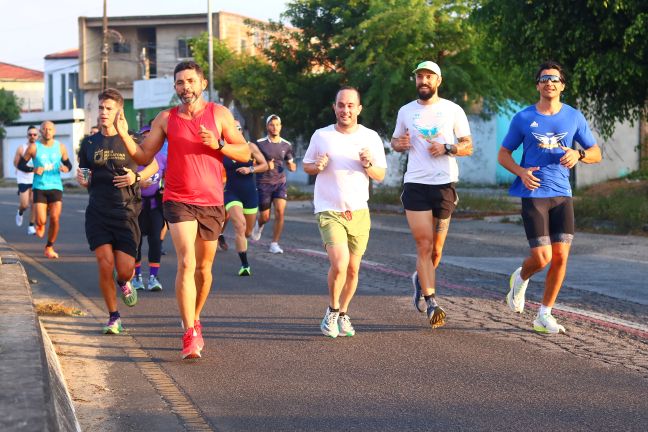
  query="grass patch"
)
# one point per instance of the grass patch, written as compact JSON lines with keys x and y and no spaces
{"x":618,"y":207}
{"x":296,"y":194}
{"x":57,"y":309}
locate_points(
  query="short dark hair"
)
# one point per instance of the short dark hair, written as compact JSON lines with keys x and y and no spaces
{"x":31,"y":127}
{"x":185,"y":65}
{"x":112,"y":94}
{"x":347,"y":87}
{"x":550,"y":64}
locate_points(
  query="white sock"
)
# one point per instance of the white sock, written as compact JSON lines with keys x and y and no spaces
{"x":544,"y":310}
{"x":431,"y":302}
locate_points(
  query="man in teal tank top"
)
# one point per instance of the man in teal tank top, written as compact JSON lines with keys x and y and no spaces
{"x":50,"y":159}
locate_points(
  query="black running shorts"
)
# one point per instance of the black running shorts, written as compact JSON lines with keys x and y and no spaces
{"x":47,"y":196}
{"x":122,"y":234}
{"x":548,"y":220}
{"x":440,"y":199}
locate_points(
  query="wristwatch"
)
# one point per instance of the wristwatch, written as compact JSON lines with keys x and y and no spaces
{"x":138,"y":177}
{"x":252,"y":169}
{"x":367,"y":166}
{"x":449,"y":149}
{"x":221,"y":144}
{"x":581,"y":154}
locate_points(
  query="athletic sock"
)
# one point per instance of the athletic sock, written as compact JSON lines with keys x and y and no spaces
{"x":114,"y":314}
{"x":342,"y":314}
{"x":31,"y":223}
{"x":333,"y":310}
{"x":243,"y":257}
{"x":20,"y":212}
{"x":430,"y":301}
{"x":544,"y":310}
{"x":153,"y":269}
{"x":138,"y":269}
{"x":49,"y":244}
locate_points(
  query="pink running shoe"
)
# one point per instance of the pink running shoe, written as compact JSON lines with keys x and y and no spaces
{"x":190,"y":348}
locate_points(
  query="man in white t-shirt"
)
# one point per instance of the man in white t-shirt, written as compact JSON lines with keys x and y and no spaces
{"x":24,"y":179}
{"x":427,"y":128}
{"x":344,"y":156}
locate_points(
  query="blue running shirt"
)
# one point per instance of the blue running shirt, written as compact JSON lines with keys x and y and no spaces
{"x":541,"y":137}
{"x":50,"y":159}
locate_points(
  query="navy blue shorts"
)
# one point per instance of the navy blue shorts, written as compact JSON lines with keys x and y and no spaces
{"x":23,"y":187}
{"x":269,"y":192}
{"x":243,"y":192}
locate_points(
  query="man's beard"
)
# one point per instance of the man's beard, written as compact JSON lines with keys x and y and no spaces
{"x":427,"y":93}
{"x":189,"y":99}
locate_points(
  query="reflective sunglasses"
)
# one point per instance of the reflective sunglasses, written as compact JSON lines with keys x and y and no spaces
{"x":544,"y":79}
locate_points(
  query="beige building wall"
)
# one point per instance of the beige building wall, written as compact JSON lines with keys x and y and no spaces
{"x":30,"y":93}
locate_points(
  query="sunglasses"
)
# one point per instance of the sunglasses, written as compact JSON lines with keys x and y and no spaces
{"x":31,"y":134}
{"x":544,"y":79}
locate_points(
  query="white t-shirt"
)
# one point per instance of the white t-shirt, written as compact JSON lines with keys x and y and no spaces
{"x":441,"y":122}
{"x":23,"y":177}
{"x":343,"y":184}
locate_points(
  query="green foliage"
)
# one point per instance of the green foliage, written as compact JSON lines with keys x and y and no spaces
{"x":9,"y":109}
{"x":623,"y":211}
{"x":602,"y":45}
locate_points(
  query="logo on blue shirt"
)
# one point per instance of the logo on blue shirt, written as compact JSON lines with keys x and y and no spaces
{"x":549,"y":140}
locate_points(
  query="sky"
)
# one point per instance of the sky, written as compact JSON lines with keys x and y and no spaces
{"x":31,"y":29}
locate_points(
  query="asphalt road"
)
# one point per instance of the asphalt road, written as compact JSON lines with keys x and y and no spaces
{"x":266,"y":366}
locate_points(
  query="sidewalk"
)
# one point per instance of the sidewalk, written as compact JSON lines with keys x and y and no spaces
{"x":34,"y":396}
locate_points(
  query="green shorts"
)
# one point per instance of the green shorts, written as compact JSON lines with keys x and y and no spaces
{"x":336,"y":229}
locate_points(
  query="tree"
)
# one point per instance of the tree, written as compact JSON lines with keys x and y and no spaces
{"x":601,"y":43}
{"x":9,"y":109}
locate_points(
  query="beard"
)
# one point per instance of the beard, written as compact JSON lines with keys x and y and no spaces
{"x":188,"y":98}
{"x":426,"y":93}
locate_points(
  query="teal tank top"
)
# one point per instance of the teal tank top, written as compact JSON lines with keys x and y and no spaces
{"x":50,"y":159}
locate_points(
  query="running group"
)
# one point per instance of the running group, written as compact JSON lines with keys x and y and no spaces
{"x":209,"y":172}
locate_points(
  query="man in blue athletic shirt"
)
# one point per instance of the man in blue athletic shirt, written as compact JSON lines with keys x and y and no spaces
{"x":547,"y":132}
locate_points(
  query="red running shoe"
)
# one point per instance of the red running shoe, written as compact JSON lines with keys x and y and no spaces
{"x":190,"y":349}
{"x":198,"y":328}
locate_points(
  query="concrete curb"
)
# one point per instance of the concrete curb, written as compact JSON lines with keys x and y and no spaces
{"x":35,"y":397}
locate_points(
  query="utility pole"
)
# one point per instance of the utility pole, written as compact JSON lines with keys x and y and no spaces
{"x":104,"y":49}
{"x":210,"y":48}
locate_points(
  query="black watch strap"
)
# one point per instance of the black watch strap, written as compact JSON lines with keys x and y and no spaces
{"x":581,"y":154}
{"x":138,"y":177}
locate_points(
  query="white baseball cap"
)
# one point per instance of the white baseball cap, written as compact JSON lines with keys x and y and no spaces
{"x":272,"y":117}
{"x":428,"y":65}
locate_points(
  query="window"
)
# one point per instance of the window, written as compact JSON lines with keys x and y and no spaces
{"x":63,"y":92}
{"x":121,"y":47}
{"x":243,"y":45}
{"x":184,"y":50}
{"x":50,"y":92}
{"x":75,"y":96}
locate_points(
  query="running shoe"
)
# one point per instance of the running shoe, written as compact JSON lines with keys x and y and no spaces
{"x":19,"y":218}
{"x":344,"y":326}
{"x":198,"y":328}
{"x":256,"y":232}
{"x":154,"y":283}
{"x":275,"y":249}
{"x":515,"y":296}
{"x":547,"y":324}
{"x":50,"y":252}
{"x":190,"y":348}
{"x":31,"y":230}
{"x":128,"y":294}
{"x":40,"y":230}
{"x":222,"y":243}
{"x":114,"y":326}
{"x":418,"y":300}
{"x":329,"y":324}
{"x":137,"y":282}
{"x":436,"y":315}
{"x":245,"y":271}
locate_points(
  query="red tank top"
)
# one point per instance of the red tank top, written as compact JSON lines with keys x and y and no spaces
{"x":194,"y":171}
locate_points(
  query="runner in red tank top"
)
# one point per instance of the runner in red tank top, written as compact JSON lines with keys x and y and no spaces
{"x":199,"y":134}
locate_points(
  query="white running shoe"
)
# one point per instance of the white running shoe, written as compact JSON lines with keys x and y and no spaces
{"x":547,"y":324}
{"x":329,"y":324}
{"x":256,"y":231}
{"x":154,"y":283}
{"x":31,"y":230}
{"x":345,"y":327}
{"x":19,"y":218}
{"x":515,"y":296}
{"x":275,"y":249}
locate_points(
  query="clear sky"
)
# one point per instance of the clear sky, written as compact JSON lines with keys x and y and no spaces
{"x":31,"y":29}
